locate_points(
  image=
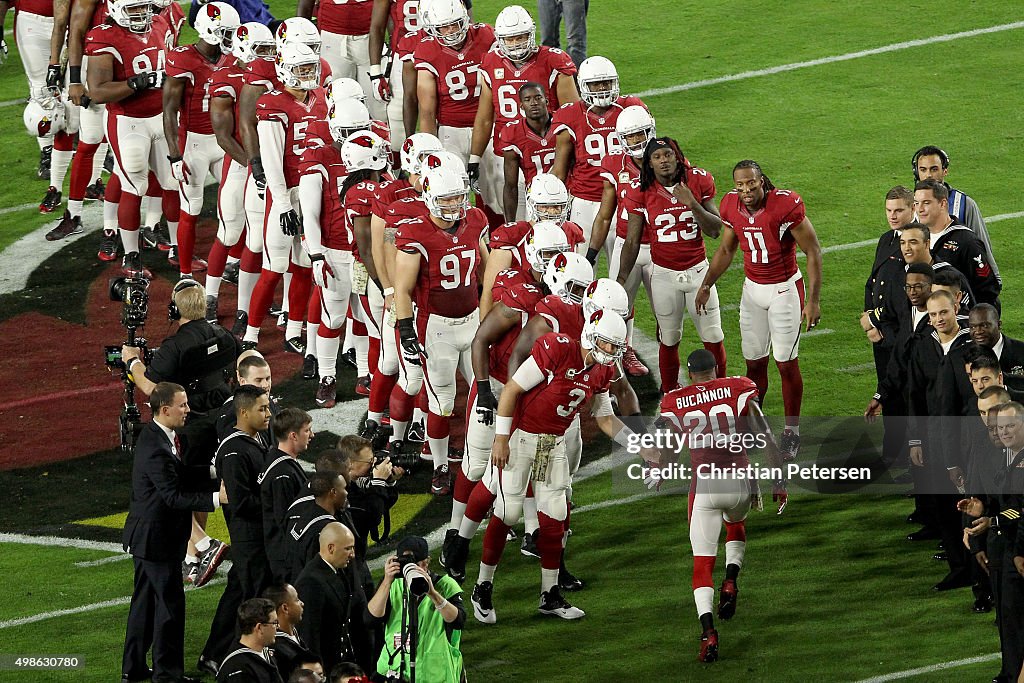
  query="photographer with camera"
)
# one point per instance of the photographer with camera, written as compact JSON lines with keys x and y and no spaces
{"x":423,"y":616}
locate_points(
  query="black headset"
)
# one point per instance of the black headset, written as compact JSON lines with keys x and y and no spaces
{"x":172,"y":308}
{"x":928,"y":149}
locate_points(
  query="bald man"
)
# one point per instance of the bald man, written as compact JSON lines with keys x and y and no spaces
{"x":331,"y":596}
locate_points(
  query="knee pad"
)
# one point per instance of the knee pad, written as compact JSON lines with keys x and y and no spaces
{"x":551,"y":501}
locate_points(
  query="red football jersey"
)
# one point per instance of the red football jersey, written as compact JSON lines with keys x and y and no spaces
{"x":562,"y":316}
{"x":197,"y":71}
{"x":326,"y":162}
{"x":175,"y":17}
{"x":513,"y":237}
{"x":457,"y":74}
{"x":505,"y":77}
{"x":227,"y":82}
{"x":447,"y":282}
{"x":620,"y":170}
{"x":549,"y":407}
{"x":263,"y":72}
{"x":296,"y":117}
{"x":133,"y":53}
{"x":706,"y":412}
{"x":345,"y":17}
{"x":405,"y":19}
{"x":391,"y":191}
{"x":594,"y":138}
{"x":522,"y":296}
{"x":42,"y":8}
{"x":401,"y":209}
{"x":769,"y":250}
{"x":536,"y":153}
{"x":676,"y":241}
{"x":358,"y":201}
{"x":99,"y":13}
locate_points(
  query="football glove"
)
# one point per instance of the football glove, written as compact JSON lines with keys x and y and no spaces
{"x":54,"y":76}
{"x":323,"y":274}
{"x":473,"y":169}
{"x":179,"y":169}
{"x":290,"y":223}
{"x":380,"y":87}
{"x":3,"y":51}
{"x":652,"y":478}
{"x":144,"y":81}
{"x":486,"y":404}
{"x":259,"y":178}
{"x":780,"y":495}
{"x":412,"y":351}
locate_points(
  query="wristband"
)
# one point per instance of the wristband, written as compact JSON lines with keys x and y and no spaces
{"x":132,"y":363}
{"x":474,"y":159}
{"x":622,"y":437}
{"x":443,"y":604}
{"x":375,"y":71}
{"x":388,"y":291}
{"x":174,"y":159}
{"x":592,"y":254}
{"x":316,"y":257}
{"x":75,"y":75}
{"x":502,"y":425}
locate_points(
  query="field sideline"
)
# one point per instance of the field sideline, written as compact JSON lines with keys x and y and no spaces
{"x":832,"y":100}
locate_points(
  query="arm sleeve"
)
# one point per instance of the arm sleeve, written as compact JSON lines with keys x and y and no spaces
{"x":271,"y":134}
{"x":165,"y":481}
{"x":529,"y":374}
{"x":311,"y":188}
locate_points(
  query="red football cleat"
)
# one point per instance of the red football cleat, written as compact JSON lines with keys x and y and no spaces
{"x":727,"y":595}
{"x":632,"y":365}
{"x":363,"y":386}
{"x":709,"y":646}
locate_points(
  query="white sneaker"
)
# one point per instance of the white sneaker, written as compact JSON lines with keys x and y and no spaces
{"x":554,"y":604}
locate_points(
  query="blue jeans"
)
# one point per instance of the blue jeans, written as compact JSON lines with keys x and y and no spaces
{"x":551,"y":12}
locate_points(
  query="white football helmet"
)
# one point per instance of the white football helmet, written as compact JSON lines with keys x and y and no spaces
{"x":632,"y":121}
{"x":568,"y":275}
{"x":134,"y":15}
{"x":417,"y":146}
{"x":253,"y":41}
{"x":446,"y":194}
{"x":216,"y":23}
{"x":605,"y":294}
{"x":446,"y":21}
{"x":547,"y":199}
{"x":596,"y":70}
{"x":44,"y":116}
{"x":345,"y":89}
{"x":608,"y":327}
{"x":443,"y":159}
{"x":346,"y":117}
{"x":298,"y":30}
{"x":298,"y":66}
{"x":514,"y":22}
{"x":364,"y":151}
{"x":546,"y":241}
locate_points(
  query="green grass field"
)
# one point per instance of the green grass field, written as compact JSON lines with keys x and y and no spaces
{"x":830,"y":590}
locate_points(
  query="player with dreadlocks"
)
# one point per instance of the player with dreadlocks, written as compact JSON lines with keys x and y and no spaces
{"x":768,"y":224}
{"x":674,"y":205}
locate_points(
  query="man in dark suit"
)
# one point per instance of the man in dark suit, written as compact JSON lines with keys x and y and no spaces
{"x":155,"y":533}
{"x":329,"y":595}
{"x":308,"y":516}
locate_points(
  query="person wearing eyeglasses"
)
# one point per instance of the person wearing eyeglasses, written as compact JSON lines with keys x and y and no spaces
{"x":252,"y":660}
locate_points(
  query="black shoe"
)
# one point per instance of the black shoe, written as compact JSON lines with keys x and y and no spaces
{"x":207,"y":665}
{"x":68,"y":226}
{"x":416,"y":433}
{"x":554,"y":604}
{"x":454,"y":555}
{"x":327,"y":392}
{"x":915,"y":518}
{"x":241,"y":322}
{"x":295,"y":345}
{"x":131,"y":266}
{"x":483,"y":602}
{"x":108,"y":245}
{"x":369,"y":430}
{"x":231,"y":273}
{"x":51,"y":202}
{"x":982,"y":606}
{"x":940,"y":556}
{"x":249,"y":345}
{"x":44,"y":162}
{"x":95,"y":191}
{"x":529,"y":546}
{"x":567,"y":582}
{"x":380,"y":438}
{"x":108,"y":161}
{"x":309,"y":367}
{"x":211,"y":308}
{"x":925,"y":534}
{"x":152,"y":239}
{"x":133,"y":678}
{"x":349,"y":357}
{"x":952,"y":582}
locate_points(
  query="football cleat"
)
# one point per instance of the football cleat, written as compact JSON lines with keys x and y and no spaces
{"x":241,"y":322}
{"x":350,"y":357}
{"x":131,"y":266}
{"x":152,"y":238}
{"x":511,"y":535}
{"x":789,"y":444}
{"x":95,"y":191}
{"x":44,"y":162}
{"x":708,"y":646}
{"x":68,"y":226}
{"x":248,"y":345}
{"x":211,"y":308}
{"x":51,"y":202}
{"x":231,"y":273}
{"x":727,"y":595}
{"x":454,"y":554}
{"x":633,"y":366}
{"x":198,"y":264}
{"x":483,"y":602}
{"x":369,"y":429}
{"x":209,"y":561}
{"x":416,"y":433}
{"x":309,"y":367}
{"x":108,"y":161}
{"x":529,"y":547}
{"x":108,"y":245}
{"x":553,"y":604}
{"x":189,"y":571}
{"x":363,"y":386}
{"x":380,"y":438}
{"x":441,"y":482}
{"x":327,"y":392}
{"x":295,"y":345}
{"x":567,"y":581}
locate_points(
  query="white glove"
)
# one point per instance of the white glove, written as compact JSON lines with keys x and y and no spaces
{"x":323,"y":274}
{"x":379,"y":84}
{"x":179,"y":169}
{"x":3,"y":51}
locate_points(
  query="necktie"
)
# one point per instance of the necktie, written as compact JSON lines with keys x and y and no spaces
{"x":177,"y":447}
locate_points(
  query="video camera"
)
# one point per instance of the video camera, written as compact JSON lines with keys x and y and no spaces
{"x":133,"y":292}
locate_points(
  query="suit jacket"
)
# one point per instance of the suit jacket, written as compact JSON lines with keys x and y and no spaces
{"x":159,"y":519}
{"x":883,"y":290}
{"x":329,"y":598}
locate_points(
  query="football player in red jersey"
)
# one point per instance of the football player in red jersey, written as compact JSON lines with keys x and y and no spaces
{"x":284,"y":115}
{"x":635,"y":128}
{"x":251,"y":41}
{"x":436,"y":265}
{"x":345,"y":29}
{"x":526,"y":145}
{"x":448,"y":66}
{"x":716,"y":410}
{"x":127,"y":59}
{"x":33,"y":28}
{"x":585,"y":136}
{"x":193,"y":155}
{"x":768,"y":224}
{"x":387,"y":83}
{"x":674,"y":204}
{"x":516,"y":61}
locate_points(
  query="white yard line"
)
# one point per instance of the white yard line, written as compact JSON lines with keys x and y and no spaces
{"x":920,"y":671}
